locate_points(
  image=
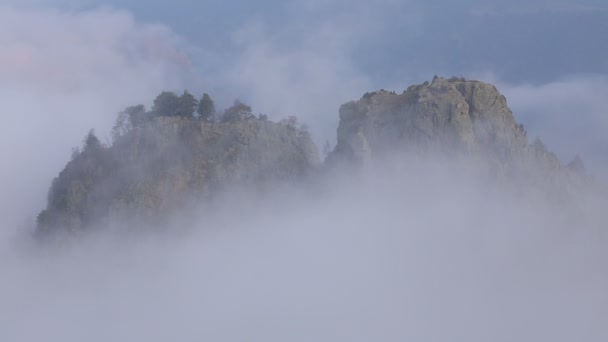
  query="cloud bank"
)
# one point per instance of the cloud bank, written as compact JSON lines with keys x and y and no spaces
{"x":373,"y":257}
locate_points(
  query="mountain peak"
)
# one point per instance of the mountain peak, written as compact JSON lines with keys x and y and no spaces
{"x":447,"y":114}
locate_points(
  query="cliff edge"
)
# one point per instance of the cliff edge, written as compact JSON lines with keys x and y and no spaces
{"x":450,"y":117}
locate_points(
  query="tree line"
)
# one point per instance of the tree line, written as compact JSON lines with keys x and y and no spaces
{"x":168,"y":103}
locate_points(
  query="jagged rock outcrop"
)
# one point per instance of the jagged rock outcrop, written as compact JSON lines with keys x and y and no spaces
{"x":465,"y":116}
{"x":448,"y":116}
{"x":171,"y":162}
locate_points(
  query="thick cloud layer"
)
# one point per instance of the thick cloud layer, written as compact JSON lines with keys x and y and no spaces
{"x":420,"y":253}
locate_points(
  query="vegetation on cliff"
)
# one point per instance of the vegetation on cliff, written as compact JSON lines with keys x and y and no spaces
{"x":170,"y":157}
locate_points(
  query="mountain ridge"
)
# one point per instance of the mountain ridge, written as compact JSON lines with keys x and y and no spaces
{"x":170,"y":161}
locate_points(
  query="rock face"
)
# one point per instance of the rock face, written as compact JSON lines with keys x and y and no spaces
{"x":169,"y":163}
{"x":448,"y":116}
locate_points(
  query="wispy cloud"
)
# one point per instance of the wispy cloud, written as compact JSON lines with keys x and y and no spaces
{"x":309,"y":67}
{"x":70,"y":50}
{"x":62,"y":73}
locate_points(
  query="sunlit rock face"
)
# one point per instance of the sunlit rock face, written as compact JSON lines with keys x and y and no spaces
{"x":170,"y":163}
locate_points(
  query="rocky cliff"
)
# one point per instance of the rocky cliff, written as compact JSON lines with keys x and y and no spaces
{"x":448,"y":117}
{"x":169,"y":163}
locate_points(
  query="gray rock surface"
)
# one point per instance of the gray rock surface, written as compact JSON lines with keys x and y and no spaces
{"x":464,"y":116}
{"x":448,"y":116}
{"x":454,"y":119}
{"x":170,"y":163}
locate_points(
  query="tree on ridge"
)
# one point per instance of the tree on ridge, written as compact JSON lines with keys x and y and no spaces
{"x":206,"y":108}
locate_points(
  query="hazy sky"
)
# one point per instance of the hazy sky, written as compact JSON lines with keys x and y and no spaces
{"x":535,"y":41}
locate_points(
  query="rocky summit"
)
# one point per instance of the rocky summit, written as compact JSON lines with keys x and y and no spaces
{"x":462,"y":116}
{"x":167,"y":162}
{"x":451,"y":117}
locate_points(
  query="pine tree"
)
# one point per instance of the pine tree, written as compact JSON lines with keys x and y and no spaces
{"x":291,"y":123}
{"x":206,"y":108}
{"x":166,"y":104}
{"x":137,"y":115}
{"x":91,"y":142}
{"x":128,"y":119}
{"x":186,"y":105}
{"x":238,"y":111}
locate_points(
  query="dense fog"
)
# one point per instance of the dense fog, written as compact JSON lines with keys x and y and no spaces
{"x":421,"y":250}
